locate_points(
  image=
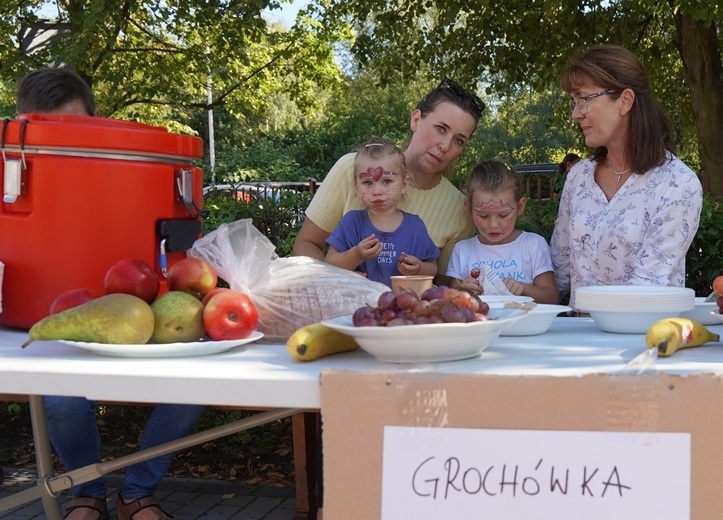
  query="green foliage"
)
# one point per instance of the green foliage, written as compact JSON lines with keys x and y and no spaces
{"x":704,"y":260}
{"x":539,"y":218}
{"x":13,"y":408}
{"x":506,"y":45}
{"x":279,"y":220}
{"x":150,"y":61}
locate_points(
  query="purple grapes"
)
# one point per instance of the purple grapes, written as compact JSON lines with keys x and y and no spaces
{"x":436,"y":305}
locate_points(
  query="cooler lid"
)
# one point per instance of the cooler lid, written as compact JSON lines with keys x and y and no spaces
{"x":36,"y":133}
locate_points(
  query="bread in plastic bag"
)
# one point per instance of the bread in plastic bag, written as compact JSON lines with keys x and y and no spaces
{"x":288,"y":292}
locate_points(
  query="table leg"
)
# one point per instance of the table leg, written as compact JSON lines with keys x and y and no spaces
{"x":305,"y":427}
{"x":43,"y":454}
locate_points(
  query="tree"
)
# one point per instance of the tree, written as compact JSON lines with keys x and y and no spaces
{"x":147,"y":59}
{"x":528,"y":41}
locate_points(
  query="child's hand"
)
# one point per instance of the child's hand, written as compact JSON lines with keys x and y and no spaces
{"x":515,"y":287}
{"x":471,"y":284}
{"x":370,"y":247}
{"x":408,"y":264}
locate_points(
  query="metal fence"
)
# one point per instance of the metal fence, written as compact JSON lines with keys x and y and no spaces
{"x":537,"y":183}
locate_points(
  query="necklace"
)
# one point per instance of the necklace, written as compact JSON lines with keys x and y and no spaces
{"x":619,"y":174}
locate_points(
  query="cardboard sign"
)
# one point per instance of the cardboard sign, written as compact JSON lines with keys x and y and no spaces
{"x":433,"y":473}
{"x":508,"y":418}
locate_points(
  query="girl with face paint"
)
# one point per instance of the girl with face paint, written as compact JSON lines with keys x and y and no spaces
{"x":381,"y":240}
{"x":521,"y":259}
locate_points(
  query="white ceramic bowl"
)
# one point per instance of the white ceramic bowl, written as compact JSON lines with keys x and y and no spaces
{"x":629,"y":322}
{"x":702,"y":312}
{"x":537,"y":321}
{"x":428,"y":343}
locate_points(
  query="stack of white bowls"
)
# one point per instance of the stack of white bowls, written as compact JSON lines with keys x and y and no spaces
{"x":632,"y":309}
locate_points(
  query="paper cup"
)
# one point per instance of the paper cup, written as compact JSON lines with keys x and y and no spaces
{"x":417,"y":283}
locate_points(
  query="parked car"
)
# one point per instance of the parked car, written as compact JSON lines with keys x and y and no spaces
{"x":245,"y":191}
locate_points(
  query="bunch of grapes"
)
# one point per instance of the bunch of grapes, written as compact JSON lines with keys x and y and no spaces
{"x":436,"y":305}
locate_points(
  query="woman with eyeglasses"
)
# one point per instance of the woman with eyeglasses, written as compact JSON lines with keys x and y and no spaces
{"x":629,"y":212}
{"x":441,"y":125}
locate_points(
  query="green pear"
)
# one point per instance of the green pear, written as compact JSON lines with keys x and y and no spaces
{"x":178,"y":318}
{"x":113,"y":318}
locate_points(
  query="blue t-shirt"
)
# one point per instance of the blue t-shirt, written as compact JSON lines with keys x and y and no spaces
{"x":410,"y":237}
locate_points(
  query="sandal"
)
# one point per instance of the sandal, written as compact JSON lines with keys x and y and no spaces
{"x":99,"y":505}
{"x":127,"y":511}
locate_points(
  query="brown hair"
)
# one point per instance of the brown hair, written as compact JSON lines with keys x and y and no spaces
{"x":617,"y":69}
{"x":46,"y":90}
{"x":493,"y":176}
{"x":569,"y":158}
{"x":450,"y":90}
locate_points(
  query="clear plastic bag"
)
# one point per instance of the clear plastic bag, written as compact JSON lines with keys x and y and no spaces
{"x":288,"y":292}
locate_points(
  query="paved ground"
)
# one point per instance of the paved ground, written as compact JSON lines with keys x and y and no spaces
{"x":191,"y":498}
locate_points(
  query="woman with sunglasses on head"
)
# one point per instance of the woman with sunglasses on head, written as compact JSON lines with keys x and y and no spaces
{"x":441,"y":125}
{"x":628,"y":213}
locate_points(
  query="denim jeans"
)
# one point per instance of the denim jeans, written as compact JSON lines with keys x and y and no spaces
{"x":74,"y":435}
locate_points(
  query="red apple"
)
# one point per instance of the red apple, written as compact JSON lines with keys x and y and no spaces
{"x":230,"y":315}
{"x":72,"y":298}
{"x":192,"y":275}
{"x":132,"y":276}
{"x":213,"y":292}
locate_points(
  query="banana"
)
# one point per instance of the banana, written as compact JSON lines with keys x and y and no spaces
{"x":316,"y":340}
{"x":671,"y":334}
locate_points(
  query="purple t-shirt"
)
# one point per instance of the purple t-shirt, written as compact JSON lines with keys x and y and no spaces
{"x":410,"y":237}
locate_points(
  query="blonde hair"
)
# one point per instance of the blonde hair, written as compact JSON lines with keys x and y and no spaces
{"x":375,"y":149}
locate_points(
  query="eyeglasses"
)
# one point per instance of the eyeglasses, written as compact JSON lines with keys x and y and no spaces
{"x":581,"y":103}
{"x":458,"y":91}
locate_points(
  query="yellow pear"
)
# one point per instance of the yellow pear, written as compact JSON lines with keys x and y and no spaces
{"x":113,"y":318}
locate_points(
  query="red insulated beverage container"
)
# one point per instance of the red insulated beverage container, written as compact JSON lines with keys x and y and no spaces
{"x":79,"y":194}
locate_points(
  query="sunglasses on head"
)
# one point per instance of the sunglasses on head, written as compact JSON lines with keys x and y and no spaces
{"x":457,"y":91}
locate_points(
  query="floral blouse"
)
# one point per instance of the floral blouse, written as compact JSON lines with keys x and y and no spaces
{"x":639,"y":237}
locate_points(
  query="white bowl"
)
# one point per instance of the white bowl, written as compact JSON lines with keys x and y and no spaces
{"x":429,"y":343}
{"x":537,"y":321}
{"x":702,"y":312}
{"x":629,"y":322}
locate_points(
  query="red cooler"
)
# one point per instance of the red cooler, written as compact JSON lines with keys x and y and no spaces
{"x":80,"y":193}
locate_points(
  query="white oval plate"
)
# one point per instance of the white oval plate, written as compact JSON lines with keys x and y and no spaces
{"x":428,"y":343}
{"x":704,"y":312}
{"x":494,"y":299}
{"x":164,"y":350}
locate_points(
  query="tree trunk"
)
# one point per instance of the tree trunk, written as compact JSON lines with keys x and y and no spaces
{"x":700,"y":52}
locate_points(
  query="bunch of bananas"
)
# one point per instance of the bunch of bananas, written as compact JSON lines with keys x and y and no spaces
{"x":672,"y":334}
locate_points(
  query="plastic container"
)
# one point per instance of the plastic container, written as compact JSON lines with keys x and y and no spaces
{"x":80,"y":193}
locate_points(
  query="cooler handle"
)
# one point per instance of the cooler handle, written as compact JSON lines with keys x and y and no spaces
{"x":184,"y":183}
{"x":14,"y":177}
